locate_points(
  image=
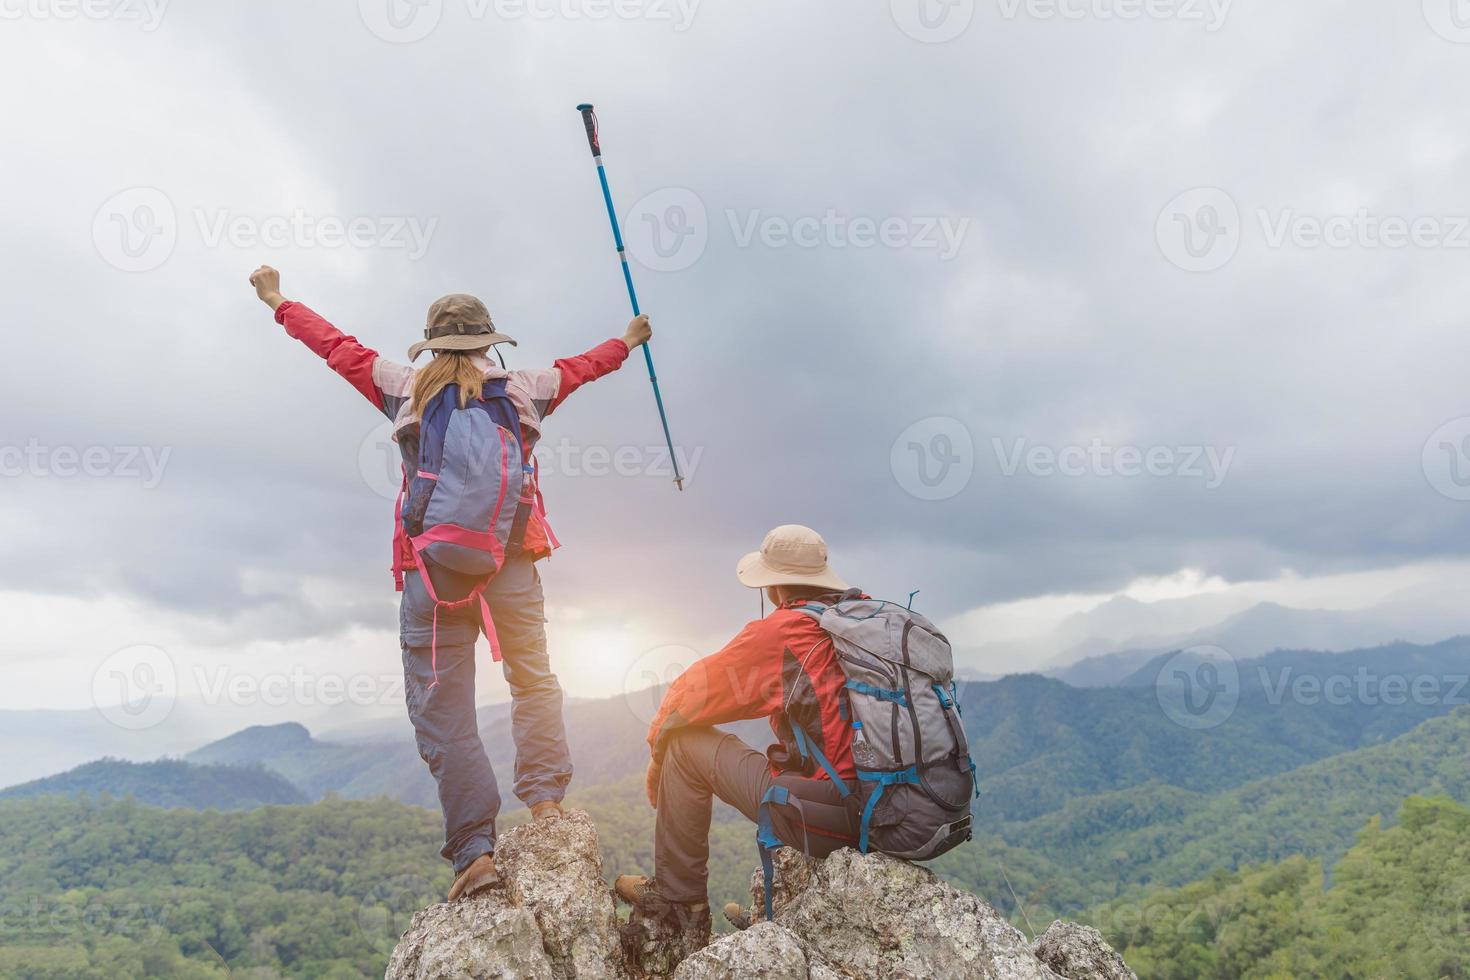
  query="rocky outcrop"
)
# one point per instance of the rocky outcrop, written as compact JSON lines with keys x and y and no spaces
{"x":478,"y":938}
{"x":764,"y":950}
{"x":848,"y":917}
{"x":1080,"y":953}
{"x":857,"y":915}
{"x":551,"y":915}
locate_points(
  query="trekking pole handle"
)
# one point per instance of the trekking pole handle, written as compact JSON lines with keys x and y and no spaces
{"x":589,"y":120}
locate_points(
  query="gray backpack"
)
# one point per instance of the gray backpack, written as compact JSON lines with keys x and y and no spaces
{"x":915,"y":775}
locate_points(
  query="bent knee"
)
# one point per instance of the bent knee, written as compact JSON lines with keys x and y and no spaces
{"x":686,"y":744}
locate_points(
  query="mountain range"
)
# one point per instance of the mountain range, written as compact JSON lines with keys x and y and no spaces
{"x":1089,"y":794}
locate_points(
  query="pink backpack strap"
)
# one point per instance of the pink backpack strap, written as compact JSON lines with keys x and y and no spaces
{"x":477,"y":595}
{"x":490,"y":633}
{"x":398,"y":535}
{"x":540,"y":507}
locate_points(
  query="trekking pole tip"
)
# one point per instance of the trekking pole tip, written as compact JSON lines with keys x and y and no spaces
{"x":679,"y":482}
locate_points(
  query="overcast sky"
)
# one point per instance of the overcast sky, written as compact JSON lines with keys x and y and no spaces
{"x":1008,"y":299}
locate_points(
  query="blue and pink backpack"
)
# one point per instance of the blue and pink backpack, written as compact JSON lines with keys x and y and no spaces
{"x":468,"y":496}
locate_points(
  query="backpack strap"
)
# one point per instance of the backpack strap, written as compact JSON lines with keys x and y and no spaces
{"x":810,"y":750}
{"x":767,"y":842}
{"x":477,"y":595}
{"x":884,"y":780}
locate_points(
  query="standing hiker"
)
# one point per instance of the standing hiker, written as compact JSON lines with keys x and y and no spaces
{"x":444,"y":608}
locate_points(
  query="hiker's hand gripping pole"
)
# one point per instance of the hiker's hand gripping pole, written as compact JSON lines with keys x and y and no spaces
{"x":589,"y":120}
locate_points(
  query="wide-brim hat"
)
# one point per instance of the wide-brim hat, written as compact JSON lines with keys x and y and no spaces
{"x":790,"y":555}
{"x":458,"y":322}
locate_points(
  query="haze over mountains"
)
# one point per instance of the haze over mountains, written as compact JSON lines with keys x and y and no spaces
{"x":1040,"y":744}
{"x":1133,"y":631}
{"x":1098,"y":647}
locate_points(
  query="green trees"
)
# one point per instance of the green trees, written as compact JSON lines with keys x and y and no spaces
{"x":110,"y":888}
{"x":1398,"y":906}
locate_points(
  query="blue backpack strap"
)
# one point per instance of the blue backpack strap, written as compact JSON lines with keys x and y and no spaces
{"x":884,"y":780}
{"x":898,"y":697}
{"x":766,"y":840}
{"x":809,"y":750}
{"x":812,"y":609}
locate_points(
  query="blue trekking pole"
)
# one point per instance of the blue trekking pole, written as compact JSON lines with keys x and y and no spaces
{"x":589,"y":119}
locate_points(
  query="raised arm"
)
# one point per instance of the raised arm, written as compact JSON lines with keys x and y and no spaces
{"x":601,"y":360}
{"x":343,"y":354}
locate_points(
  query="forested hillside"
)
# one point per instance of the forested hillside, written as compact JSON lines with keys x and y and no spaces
{"x":114,"y":890}
{"x":1399,"y":906}
{"x":1039,"y":744}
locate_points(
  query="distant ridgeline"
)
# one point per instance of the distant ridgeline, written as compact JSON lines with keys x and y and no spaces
{"x":168,"y":783}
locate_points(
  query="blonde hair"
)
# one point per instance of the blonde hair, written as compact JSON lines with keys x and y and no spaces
{"x":448,"y":368}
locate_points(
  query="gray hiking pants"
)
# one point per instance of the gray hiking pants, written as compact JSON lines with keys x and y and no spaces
{"x":703,"y":763}
{"x":439,"y":680}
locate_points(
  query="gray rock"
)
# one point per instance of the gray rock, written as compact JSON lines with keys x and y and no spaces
{"x":554,"y":869}
{"x":551,"y":915}
{"x":821,"y":971}
{"x":875,"y":916}
{"x":1079,"y":952}
{"x":793,"y":875}
{"x":657,"y":941}
{"x":849,"y":917}
{"x":764,"y":951}
{"x":480,"y":938}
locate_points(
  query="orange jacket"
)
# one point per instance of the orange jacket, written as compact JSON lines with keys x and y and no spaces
{"x":783,"y":667}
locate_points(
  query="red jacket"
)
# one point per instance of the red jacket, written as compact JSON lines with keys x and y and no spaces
{"x":784,"y":667}
{"x":389,"y":385}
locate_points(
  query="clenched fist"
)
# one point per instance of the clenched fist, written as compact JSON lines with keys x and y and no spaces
{"x":638,"y":332}
{"x":267,"y":283}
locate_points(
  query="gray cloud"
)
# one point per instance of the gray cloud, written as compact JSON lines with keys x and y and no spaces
{"x":792,"y":370}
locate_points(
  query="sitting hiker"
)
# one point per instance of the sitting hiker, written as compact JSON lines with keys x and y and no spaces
{"x":825,"y":659}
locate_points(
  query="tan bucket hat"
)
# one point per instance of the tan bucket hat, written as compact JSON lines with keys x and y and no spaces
{"x":790,"y":555}
{"x":458,"y":322}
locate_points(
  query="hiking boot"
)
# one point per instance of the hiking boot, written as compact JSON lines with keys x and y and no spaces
{"x":735,"y":915}
{"x":477,"y":877}
{"x":633,"y":888}
{"x":660,"y":933}
{"x":547,"y":810}
{"x":642,"y":893}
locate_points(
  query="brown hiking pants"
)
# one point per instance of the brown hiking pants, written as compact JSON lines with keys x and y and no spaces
{"x":702,"y":763}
